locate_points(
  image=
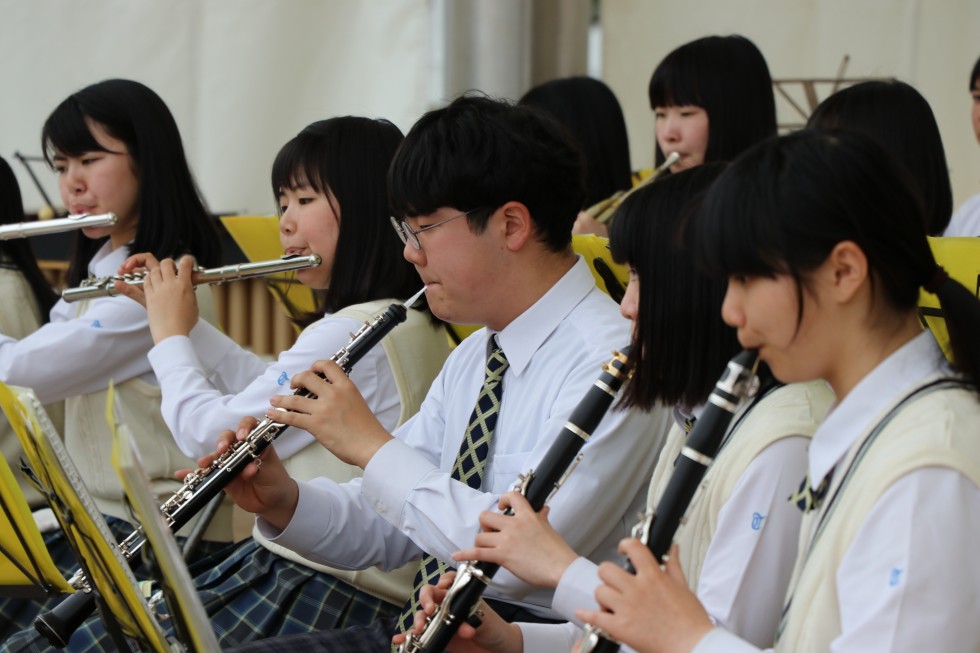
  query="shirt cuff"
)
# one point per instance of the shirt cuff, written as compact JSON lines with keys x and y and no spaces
{"x":393,"y":473}
{"x":172,"y":353}
{"x":719,"y":640}
{"x":548,"y":638}
{"x":297,"y":535}
{"x":576,"y":589}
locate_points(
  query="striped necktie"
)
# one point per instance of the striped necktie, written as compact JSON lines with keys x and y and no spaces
{"x":806,"y":498}
{"x":470,"y":463}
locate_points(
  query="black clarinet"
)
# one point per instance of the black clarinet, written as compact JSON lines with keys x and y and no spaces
{"x":202,"y":485}
{"x":537,"y":485}
{"x":657,"y":527}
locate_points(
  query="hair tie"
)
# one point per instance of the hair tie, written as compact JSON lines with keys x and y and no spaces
{"x":939,"y":277}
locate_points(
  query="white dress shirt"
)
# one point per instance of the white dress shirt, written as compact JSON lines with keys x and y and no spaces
{"x":209,"y":382}
{"x":407,"y":502}
{"x":71,"y":355}
{"x":923,"y":527}
{"x":966,"y":220}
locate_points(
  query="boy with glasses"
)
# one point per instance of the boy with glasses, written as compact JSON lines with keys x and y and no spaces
{"x":548,"y":329}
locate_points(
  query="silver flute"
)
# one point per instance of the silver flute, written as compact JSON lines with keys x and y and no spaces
{"x":105,"y":286}
{"x":69,"y":223}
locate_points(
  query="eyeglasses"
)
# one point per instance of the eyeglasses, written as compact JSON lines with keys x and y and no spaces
{"x":410,"y":235}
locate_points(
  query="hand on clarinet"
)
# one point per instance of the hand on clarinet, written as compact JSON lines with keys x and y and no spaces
{"x":652,"y":611}
{"x":524,"y":543}
{"x":264,"y":487}
{"x":337,"y":416}
{"x":491,"y":635}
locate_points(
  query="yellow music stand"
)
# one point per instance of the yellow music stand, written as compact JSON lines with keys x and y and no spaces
{"x":122,"y":604}
{"x":26,"y":567}
{"x":961,"y":259}
{"x":190,"y":619}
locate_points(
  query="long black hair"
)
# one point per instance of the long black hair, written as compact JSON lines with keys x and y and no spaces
{"x":727,"y":76}
{"x":173,"y":219}
{"x":18,"y":252}
{"x":591,"y":113}
{"x":347,"y":158}
{"x":785,"y":204}
{"x":680,"y":342}
{"x":900,"y":119}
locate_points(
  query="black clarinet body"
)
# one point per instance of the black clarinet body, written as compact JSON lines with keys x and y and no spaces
{"x":537,"y":486}
{"x":202,"y":485}
{"x":657,"y":527}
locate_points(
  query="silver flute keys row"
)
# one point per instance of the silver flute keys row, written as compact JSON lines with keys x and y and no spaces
{"x":43,"y":227}
{"x":105,"y":286}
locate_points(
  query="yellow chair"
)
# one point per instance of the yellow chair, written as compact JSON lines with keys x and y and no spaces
{"x":961,"y":259}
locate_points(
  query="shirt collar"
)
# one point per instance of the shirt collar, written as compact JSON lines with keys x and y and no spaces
{"x":528,"y":331}
{"x":848,"y":420}
{"x":106,"y":261}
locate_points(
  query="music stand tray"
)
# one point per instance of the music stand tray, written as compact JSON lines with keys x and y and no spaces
{"x":191,"y":622}
{"x":106,"y":569}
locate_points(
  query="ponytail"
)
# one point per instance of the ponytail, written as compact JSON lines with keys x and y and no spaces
{"x":961,"y":311}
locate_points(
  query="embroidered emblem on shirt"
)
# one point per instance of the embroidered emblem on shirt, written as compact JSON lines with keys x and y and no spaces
{"x":895,"y":577}
{"x":282,"y":378}
{"x":757,"y":521}
{"x":96,"y":325}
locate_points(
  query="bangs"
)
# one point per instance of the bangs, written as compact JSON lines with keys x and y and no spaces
{"x":421,"y":184}
{"x":673,"y":85}
{"x":298,"y":161}
{"x":729,"y":233}
{"x":67,"y":132}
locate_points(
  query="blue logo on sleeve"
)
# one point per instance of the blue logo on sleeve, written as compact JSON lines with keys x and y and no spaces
{"x":282,"y":378}
{"x":96,"y":325}
{"x":895,"y":577}
{"x":757,"y":521}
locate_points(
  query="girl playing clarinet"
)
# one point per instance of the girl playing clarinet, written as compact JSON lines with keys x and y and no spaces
{"x":824,"y":247}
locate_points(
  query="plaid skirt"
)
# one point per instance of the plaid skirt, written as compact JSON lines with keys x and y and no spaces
{"x":19,"y":614}
{"x":374,"y":638}
{"x":249,"y":593}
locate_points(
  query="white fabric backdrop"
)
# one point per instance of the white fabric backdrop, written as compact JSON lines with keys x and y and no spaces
{"x":243,"y":76}
{"x":931,"y":44}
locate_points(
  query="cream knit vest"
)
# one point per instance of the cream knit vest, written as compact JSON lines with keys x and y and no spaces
{"x":19,"y":317}
{"x":937,"y":428}
{"x":790,"y":410}
{"x":89,"y":442}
